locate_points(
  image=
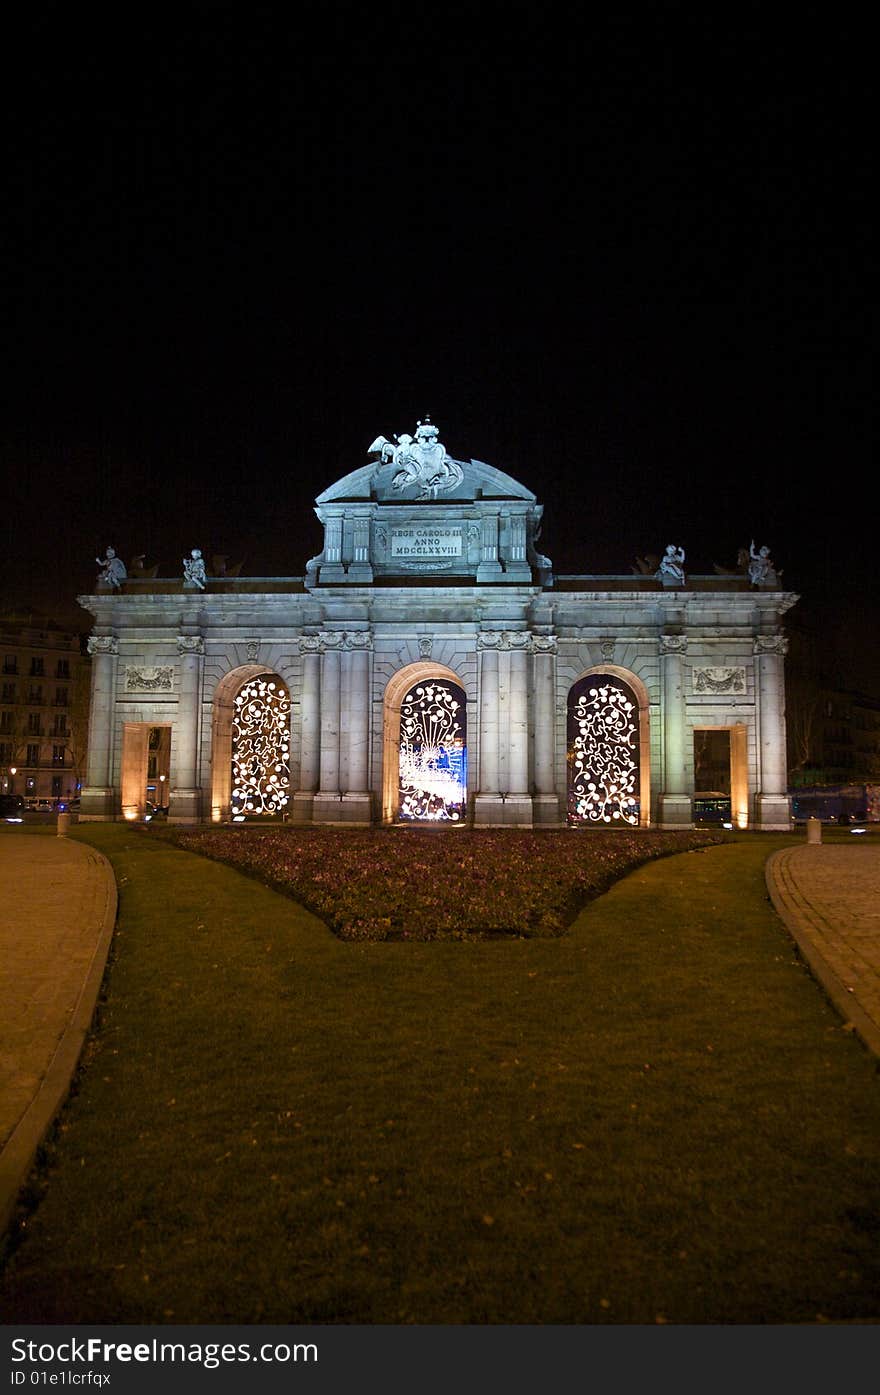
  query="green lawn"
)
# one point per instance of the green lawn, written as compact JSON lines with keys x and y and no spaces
{"x":656,"y":1117}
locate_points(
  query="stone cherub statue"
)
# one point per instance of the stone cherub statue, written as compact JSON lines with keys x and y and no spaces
{"x":112,"y":571}
{"x":761,"y":569}
{"x":194,"y":570}
{"x":671,"y":569}
{"x":421,"y":461}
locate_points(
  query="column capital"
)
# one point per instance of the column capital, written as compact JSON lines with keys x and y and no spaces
{"x":359,"y":640}
{"x":190,"y":644}
{"x":770,"y":644}
{"x":673,"y":644}
{"x":102,"y":644}
{"x":490,"y":639}
{"x":545,"y":644}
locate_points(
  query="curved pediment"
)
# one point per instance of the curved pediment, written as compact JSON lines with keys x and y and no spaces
{"x":374,"y":481}
{"x":419,"y":468}
{"x":413,"y":508}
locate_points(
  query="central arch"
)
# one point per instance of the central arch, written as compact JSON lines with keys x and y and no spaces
{"x":424,"y":752}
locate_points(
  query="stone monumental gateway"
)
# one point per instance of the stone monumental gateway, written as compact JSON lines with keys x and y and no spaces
{"x":428,"y":667}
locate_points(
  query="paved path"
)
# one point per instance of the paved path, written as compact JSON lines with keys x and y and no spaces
{"x":829,"y":897}
{"x":57,"y":912}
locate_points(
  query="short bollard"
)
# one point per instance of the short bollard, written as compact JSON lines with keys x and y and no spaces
{"x":63,"y":824}
{"x":814,"y":830}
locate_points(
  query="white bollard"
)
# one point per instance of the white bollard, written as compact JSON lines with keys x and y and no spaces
{"x":63,"y":824}
{"x":814,"y":830}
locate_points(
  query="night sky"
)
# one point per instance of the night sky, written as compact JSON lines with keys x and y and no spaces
{"x":623,"y":263}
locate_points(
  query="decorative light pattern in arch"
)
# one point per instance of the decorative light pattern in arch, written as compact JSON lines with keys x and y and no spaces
{"x":261,"y":748}
{"x":433,"y":753}
{"x":603,"y":752}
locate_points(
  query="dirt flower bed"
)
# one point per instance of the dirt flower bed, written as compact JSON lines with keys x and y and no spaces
{"x":415,"y":884}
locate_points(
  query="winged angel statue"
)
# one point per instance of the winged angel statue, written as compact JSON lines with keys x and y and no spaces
{"x":421,"y":461}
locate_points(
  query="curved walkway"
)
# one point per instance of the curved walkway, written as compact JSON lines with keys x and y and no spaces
{"x":829,"y":898}
{"x":56,"y":923}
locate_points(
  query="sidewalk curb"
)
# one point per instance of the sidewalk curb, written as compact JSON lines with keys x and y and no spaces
{"x":796,"y":921}
{"x":17,"y":1157}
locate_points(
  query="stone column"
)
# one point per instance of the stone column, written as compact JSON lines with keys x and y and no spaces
{"x":331,"y":567}
{"x":489,"y":806}
{"x":773,"y":808}
{"x":518,"y":801}
{"x":356,"y":802}
{"x":489,"y":568}
{"x":516,"y":566}
{"x":360,"y":569}
{"x":675,"y":802}
{"x":186,"y":794}
{"x":98,"y":796}
{"x":327,"y":802}
{"x":545,"y":805}
{"x":310,"y":735}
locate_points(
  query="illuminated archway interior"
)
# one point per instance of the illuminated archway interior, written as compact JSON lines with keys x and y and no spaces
{"x":432,"y":753}
{"x":603,"y":752}
{"x":260,"y":748}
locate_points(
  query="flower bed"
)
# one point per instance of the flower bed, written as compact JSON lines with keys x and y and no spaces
{"x":413,"y":884}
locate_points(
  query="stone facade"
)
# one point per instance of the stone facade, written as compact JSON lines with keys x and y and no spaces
{"x":431,"y":576}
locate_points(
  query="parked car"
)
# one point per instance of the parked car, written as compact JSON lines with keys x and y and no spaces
{"x":11,"y":806}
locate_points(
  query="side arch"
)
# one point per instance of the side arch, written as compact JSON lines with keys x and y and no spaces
{"x":223,"y":714}
{"x":396,"y":690}
{"x":641,"y":700}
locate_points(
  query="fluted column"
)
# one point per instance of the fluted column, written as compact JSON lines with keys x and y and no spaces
{"x":675,"y":802}
{"x":97,"y":797}
{"x":489,"y":568}
{"x":546,"y":801}
{"x":488,"y":806}
{"x":356,"y":798}
{"x":518,"y":801}
{"x":327,"y":800}
{"x":773,"y":807}
{"x":310,"y":730}
{"x":186,"y":794}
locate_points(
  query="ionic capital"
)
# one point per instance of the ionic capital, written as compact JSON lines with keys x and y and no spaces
{"x":103,"y":644}
{"x":770,"y":644}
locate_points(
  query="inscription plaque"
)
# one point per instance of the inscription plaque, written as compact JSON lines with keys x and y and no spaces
{"x":420,"y":543}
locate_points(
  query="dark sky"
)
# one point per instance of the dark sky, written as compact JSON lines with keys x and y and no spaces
{"x":625,"y":263}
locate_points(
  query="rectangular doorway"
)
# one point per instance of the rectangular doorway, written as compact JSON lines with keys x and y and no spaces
{"x":146,"y":769}
{"x":720,"y":776}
